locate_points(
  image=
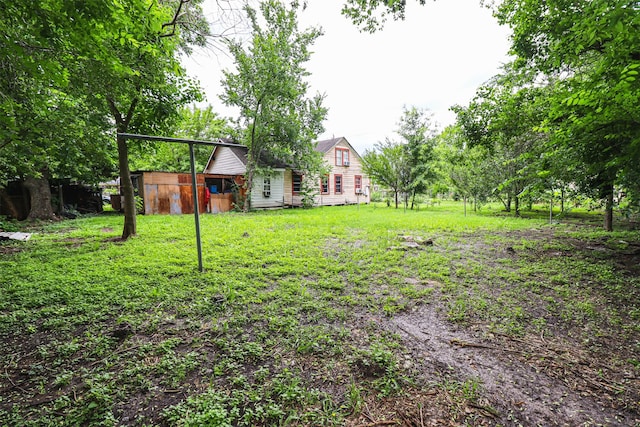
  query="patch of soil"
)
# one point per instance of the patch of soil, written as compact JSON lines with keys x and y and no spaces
{"x":513,"y":378}
{"x":10,"y":249}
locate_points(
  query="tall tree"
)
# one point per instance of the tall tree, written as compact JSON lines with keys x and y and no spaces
{"x":418,"y":134}
{"x":593,"y":51}
{"x":119,"y":58}
{"x":45,"y":130}
{"x":388,"y":165}
{"x":142,"y":85}
{"x":504,"y":117}
{"x":466,"y":168}
{"x":277,"y":119}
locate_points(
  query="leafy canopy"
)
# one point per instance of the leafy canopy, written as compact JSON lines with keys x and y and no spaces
{"x":276,"y":118}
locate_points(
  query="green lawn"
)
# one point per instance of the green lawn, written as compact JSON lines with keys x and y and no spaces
{"x":286,"y":326}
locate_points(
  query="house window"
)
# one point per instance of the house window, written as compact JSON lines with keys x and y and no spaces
{"x":266,"y":187}
{"x":357,"y":183}
{"x":297,"y":183}
{"x":342,"y":157}
{"x":337,"y":184}
{"x":324,"y":184}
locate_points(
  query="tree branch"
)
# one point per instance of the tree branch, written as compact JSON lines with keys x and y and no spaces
{"x":174,"y":21}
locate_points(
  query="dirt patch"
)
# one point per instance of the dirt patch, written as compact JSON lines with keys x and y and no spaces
{"x":9,"y":249}
{"x":519,"y":389}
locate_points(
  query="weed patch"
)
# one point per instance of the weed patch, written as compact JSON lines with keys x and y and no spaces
{"x":308,"y":317}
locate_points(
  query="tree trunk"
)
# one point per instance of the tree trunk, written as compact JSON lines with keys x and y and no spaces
{"x":396,"y":196}
{"x":516,"y":201}
{"x":122,"y":125}
{"x":246,"y":205}
{"x":8,"y":204}
{"x":464,"y":198}
{"x":608,"y":213}
{"x":506,"y":203}
{"x":40,"y":198}
{"x":562,"y":196}
{"x":129,"y":202}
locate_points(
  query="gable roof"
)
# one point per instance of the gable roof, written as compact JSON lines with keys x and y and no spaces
{"x":239,"y":155}
{"x":328,"y":144}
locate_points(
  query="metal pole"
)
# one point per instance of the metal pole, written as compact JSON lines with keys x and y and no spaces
{"x":196,"y":208}
{"x":194,"y":183}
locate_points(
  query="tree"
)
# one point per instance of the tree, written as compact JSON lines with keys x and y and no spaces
{"x":119,"y":58}
{"x":388,"y":165}
{"x":193,"y":123}
{"x":370,"y":15}
{"x":417,"y":133}
{"x":504,"y":117}
{"x":45,"y":129}
{"x":277,"y":120}
{"x":143,"y":85}
{"x":465,"y":167}
{"x":592,"y":49}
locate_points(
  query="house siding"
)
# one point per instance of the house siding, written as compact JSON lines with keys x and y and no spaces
{"x":276,"y":199}
{"x":288,"y":186}
{"x":348,"y":194}
{"x":226,"y":163}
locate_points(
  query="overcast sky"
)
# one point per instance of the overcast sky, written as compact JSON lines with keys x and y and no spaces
{"x":434,"y":59}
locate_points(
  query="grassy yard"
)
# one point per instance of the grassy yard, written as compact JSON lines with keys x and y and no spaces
{"x":304,"y":317}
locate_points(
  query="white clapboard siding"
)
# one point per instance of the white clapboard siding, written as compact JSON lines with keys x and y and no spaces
{"x":348,"y":194}
{"x":276,"y":199}
{"x":226,"y":163}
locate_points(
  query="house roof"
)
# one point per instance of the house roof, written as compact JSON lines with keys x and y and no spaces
{"x":240,"y":152}
{"x":327,"y":144}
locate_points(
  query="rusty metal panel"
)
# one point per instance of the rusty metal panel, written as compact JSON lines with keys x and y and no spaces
{"x":151,"y":199}
{"x":176,"y":206}
{"x":164,"y":198}
{"x":186,"y":199}
{"x":162,"y":178}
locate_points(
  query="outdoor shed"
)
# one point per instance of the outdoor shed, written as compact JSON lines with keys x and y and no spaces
{"x":171,"y":192}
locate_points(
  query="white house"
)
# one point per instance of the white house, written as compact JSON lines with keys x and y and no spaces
{"x":345,"y":184}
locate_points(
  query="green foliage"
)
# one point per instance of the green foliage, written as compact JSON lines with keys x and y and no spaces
{"x":70,"y":71}
{"x":193,"y":123}
{"x":370,"y":15}
{"x":277,"y":120}
{"x":405,"y":167}
{"x":589,"y":51}
{"x":388,"y":165}
{"x":286,"y":323}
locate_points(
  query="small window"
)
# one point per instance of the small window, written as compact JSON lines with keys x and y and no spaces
{"x":324,"y":184}
{"x":342,"y":157}
{"x":297,"y":183}
{"x":357,"y":183}
{"x":337,"y":184}
{"x":266,"y":187}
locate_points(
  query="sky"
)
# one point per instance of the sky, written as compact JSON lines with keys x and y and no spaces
{"x":437,"y":57}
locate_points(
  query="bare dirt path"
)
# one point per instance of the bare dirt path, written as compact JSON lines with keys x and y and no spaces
{"x":520,"y":392}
